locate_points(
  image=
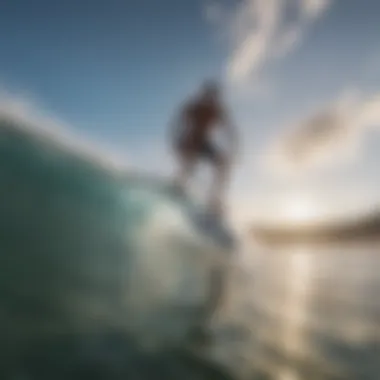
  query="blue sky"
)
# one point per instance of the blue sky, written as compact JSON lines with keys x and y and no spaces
{"x":105,"y":65}
{"x":116,"y":70}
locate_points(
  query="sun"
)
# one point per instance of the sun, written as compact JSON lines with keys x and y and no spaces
{"x":300,"y":209}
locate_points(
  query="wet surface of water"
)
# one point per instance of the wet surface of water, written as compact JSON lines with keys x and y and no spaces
{"x":308,"y":313}
{"x":298,"y":314}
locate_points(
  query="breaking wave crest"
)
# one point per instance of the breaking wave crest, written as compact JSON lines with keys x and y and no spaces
{"x":94,"y":258}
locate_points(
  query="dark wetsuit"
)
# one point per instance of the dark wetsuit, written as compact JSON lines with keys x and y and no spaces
{"x":200,"y":119}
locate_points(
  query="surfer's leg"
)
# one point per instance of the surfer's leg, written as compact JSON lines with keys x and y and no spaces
{"x":221,"y":175}
{"x":217,"y":191}
{"x":187,"y":163}
{"x":216,"y":292}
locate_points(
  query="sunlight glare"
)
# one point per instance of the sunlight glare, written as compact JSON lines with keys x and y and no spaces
{"x":300,"y":209}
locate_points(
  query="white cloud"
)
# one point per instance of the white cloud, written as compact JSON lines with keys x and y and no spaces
{"x":334,"y":135}
{"x":314,"y":8}
{"x":263,"y":30}
{"x":254,"y":27}
{"x":213,"y":12}
{"x":288,"y":42}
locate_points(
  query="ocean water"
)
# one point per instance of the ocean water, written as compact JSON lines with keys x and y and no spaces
{"x":312,"y":312}
{"x":103,"y":277}
{"x":102,"y":271}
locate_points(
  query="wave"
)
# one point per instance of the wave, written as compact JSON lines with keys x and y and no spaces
{"x":88,"y":250}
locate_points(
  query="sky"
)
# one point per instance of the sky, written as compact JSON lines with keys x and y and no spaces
{"x":301,"y":80}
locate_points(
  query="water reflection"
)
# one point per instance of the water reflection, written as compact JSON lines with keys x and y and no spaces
{"x":314,"y":313}
{"x":295,"y":314}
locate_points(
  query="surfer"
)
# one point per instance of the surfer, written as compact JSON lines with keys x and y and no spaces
{"x":192,"y":141}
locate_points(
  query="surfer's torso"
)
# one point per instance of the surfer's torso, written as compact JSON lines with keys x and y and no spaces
{"x":201,"y":117}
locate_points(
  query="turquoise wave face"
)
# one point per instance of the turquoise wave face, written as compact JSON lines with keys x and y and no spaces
{"x":84,"y":249}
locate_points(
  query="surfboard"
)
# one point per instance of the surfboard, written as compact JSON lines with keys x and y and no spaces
{"x":204,"y":221}
{"x":212,"y":226}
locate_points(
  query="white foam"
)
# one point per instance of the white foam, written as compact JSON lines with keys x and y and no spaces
{"x":22,"y":115}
